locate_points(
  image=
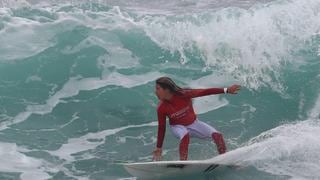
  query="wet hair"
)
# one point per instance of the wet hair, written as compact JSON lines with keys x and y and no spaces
{"x":168,"y":83}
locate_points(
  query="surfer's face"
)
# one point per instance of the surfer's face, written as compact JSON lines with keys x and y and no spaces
{"x":161,"y":92}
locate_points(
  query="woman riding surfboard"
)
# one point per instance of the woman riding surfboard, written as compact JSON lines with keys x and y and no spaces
{"x":176,"y":104}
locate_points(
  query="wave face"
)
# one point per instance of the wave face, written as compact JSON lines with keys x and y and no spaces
{"x":77,"y":84}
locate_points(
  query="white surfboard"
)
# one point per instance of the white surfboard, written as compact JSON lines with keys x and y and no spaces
{"x":158,"y":169}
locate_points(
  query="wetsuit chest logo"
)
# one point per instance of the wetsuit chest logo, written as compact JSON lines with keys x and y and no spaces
{"x":181,"y":113}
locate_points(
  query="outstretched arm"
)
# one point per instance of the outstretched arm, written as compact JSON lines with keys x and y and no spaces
{"x":192,"y":93}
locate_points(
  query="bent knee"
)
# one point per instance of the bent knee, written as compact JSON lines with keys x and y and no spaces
{"x":217,"y":135}
{"x":184,"y":136}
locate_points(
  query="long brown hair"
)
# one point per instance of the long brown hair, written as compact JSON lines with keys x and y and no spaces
{"x":167,"y":83}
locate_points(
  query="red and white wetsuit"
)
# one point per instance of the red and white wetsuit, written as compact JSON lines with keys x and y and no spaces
{"x":179,"y":109}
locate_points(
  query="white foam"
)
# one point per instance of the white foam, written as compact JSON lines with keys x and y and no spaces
{"x":16,"y":3}
{"x":290,"y":149}
{"x":16,"y":162}
{"x":33,"y":78}
{"x":77,"y":84}
{"x":17,"y":31}
{"x":23,"y":38}
{"x":315,"y":111}
{"x":210,"y":103}
{"x":115,"y":55}
{"x":251,"y":45}
{"x":82,"y":143}
{"x":103,"y":20}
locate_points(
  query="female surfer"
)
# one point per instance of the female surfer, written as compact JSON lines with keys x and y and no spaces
{"x":176,"y":104}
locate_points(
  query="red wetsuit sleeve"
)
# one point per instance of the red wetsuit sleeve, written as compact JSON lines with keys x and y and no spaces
{"x":161,"y":128}
{"x":192,"y":93}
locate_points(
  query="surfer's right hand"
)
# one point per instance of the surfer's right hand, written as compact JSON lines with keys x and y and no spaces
{"x":157,"y":154}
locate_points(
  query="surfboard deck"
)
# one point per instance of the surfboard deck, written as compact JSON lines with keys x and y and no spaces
{"x":158,"y":169}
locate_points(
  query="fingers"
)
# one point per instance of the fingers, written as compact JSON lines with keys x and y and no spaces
{"x":237,"y":86}
{"x":234,"y":89}
{"x":156,"y":156}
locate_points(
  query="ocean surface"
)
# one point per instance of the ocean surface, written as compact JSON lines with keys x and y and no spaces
{"x":77,"y":85}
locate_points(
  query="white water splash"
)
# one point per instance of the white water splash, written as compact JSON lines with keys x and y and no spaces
{"x":16,"y":162}
{"x":82,"y":143}
{"x":289,"y":149}
{"x":251,"y":45}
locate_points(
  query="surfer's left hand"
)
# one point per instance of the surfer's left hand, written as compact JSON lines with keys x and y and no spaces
{"x":233,"y":89}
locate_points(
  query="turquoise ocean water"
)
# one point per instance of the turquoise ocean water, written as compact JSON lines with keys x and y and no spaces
{"x":77,"y":85}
